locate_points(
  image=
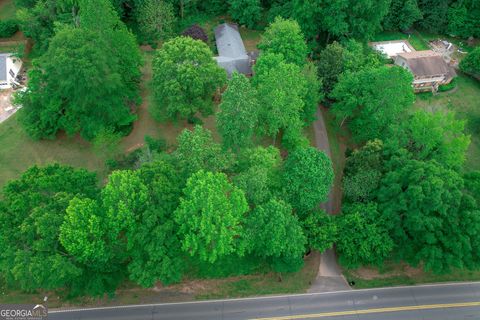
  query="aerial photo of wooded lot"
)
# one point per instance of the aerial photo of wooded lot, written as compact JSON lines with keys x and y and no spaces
{"x":177,"y":150}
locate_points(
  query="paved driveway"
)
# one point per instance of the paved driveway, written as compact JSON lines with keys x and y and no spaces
{"x":6,"y":107}
{"x":329,"y":277}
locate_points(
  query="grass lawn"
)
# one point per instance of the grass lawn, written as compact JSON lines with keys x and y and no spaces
{"x":19,"y":152}
{"x":465,"y":101}
{"x":398,"y":275}
{"x":415,"y":40}
{"x":7,"y":9}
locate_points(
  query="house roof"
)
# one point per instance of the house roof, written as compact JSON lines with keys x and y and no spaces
{"x":232,"y":55}
{"x":229,"y":42}
{"x":426,"y":63}
{"x":3,"y":66}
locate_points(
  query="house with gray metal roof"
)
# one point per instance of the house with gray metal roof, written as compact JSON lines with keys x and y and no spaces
{"x":9,"y":68}
{"x":232,"y":55}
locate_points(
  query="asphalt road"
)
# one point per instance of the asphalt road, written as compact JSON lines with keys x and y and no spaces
{"x":432,"y":302}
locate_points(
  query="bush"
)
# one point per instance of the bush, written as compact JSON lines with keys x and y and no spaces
{"x":471,"y":63}
{"x":196,"y":32}
{"x":156,"y":145}
{"x":449,"y":86}
{"x":8,"y":28}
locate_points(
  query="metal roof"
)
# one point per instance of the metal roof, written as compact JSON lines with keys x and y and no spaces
{"x":232,"y":55}
{"x":3,"y":66}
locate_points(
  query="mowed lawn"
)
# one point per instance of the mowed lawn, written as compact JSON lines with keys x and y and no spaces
{"x":7,"y":9}
{"x":465,"y":102}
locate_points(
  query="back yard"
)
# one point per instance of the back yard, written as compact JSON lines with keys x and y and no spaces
{"x":465,"y":101}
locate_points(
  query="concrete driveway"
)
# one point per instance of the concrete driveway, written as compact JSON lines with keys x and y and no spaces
{"x":7,"y":109}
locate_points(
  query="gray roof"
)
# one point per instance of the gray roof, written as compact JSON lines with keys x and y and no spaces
{"x":426,"y":63}
{"x":3,"y":66}
{"x":232,"y":55}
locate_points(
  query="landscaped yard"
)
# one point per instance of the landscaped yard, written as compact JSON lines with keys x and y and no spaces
{"x":465,"y":101}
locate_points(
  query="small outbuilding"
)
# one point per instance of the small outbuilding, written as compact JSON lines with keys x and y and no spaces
{"x":10,"y":66}
{"x":232,"y":55}
{"x":428,"y":68}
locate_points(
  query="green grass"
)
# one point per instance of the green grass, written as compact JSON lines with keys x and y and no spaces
{"x":399,"y":280}
{"x":7,"y":9}
{"x":465,"y":101}
{"x":19,"y":152}
{"x":264,"y":284}
{"x":415,"y":39}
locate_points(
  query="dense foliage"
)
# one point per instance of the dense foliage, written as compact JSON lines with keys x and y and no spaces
{"x":87,"y":79}
{"x":471,"y":63}
{"x":185,"y":77}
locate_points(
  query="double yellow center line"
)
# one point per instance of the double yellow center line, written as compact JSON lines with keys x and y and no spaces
{"x":378,"y":310}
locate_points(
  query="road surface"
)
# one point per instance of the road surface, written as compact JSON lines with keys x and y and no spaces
{"x":329,"y":276}
{"x":435,"y":302}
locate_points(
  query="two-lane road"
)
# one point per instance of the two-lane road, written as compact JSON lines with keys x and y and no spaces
{"x":435,"y":302}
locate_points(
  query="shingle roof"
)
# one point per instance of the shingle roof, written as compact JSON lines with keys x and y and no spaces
{"x":425,"y":63}
{"x":232,"y":55}
{"x":3,"y":67}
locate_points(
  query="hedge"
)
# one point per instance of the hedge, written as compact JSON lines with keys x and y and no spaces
{"x":8,"y":28}
{"x":449,"y":86}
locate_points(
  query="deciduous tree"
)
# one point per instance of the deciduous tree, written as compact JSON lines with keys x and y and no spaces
{"x":308,"y":178}
{"x":246,"y":12}
{"x":285,"y":37}
{"x":210,"y":215}
{"x":370,"y":111}
{"x":185,"y":77}
{"x":363,"y":238}
{"x":275,"y":233}
{"x":237,"y":118}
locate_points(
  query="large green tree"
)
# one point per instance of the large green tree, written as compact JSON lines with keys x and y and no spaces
{"x":246,"y":12}
{"x":422,"y":204}
{"x":210,"y":216}
{"x":285,"y":37}
{"x":185,"y":77}
{"x":402,"y":15}
{"x":259,"y":173}
{"x":372,"y":99}
{"x":32,"y":217}
{"x":75,"y":87}
{"x":273,"y":232}
{"x":437,"y":136}
{"x":320,"y":229}
{"x":237,"y":118}
{"x":308,"y":178}
{"x":363,"y":238}
{"x":336,"y":18}
{"x":197,"y":150}
{"x":281,"y":90}
{"x":471,"y":63}
{"x":156,"y":20}
{"x":363,"y":172}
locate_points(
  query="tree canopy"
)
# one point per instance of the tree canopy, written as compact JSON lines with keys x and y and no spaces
{"x":371,"y":99}
{"x":308,"y":177}
{"x":185,"y":77}
{"x":210,"y":215}
{"x":237,"y":118}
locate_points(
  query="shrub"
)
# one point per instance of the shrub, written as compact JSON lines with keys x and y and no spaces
{"x":448,"y":86}
{"x":8,"y":28}
{"x":196,"y":32}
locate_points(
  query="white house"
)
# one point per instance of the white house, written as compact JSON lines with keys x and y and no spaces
{"x":232,"y":55}
{"x":10,"y":66}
